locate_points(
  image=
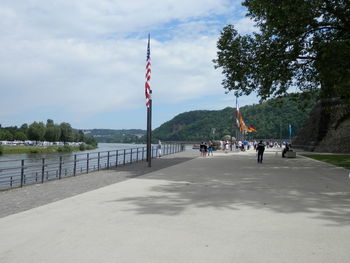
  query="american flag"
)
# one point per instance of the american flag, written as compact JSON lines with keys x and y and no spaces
{"x":148,"y":90}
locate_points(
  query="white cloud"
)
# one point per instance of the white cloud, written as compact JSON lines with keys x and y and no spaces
{"x":245,"y":25}
{"x":88,"y":57}
{"x":90,"y":18}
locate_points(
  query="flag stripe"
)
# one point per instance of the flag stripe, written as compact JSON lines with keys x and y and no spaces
{"x":148,"y":91}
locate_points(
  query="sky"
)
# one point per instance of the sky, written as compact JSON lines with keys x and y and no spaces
{"x":83,"y":62}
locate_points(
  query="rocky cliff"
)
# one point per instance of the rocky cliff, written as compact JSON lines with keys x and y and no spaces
{"x":327,"y":129}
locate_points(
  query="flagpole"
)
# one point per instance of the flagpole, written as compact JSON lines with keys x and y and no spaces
{"x":149,"y":132}
{"x":237,"y":120}
{"x":148,"y":93}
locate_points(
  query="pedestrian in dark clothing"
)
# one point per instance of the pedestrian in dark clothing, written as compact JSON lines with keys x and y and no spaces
{"x":260,"y":149}
{"x":201,"y":149}
{"x":285,"y":150}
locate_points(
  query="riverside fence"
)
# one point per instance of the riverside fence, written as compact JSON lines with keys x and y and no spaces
{"x":18,"y":173}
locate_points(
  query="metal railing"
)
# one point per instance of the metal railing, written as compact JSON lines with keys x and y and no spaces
{"x":18,"y":173}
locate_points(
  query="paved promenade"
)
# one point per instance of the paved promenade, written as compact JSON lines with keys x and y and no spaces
{"x":186,"y":208}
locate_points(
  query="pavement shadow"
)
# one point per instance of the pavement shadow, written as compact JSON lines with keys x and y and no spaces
{"x":141,"y":168}
{"x":223,"y":183}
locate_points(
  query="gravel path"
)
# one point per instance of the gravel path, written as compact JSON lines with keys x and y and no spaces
{"x":17,"y":200}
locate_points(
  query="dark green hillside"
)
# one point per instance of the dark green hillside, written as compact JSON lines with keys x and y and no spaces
{"x":271,"y":119}
{"x":116,"y":136}
{"x":196,"y":125}
{"x":111,"y":132}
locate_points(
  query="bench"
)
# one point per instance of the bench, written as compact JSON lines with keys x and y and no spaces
{"x":291,"y":154}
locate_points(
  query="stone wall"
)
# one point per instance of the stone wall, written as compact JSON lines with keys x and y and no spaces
{"x":327,"y":129}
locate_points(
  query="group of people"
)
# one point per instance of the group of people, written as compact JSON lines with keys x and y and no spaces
{"x":206,"y":149}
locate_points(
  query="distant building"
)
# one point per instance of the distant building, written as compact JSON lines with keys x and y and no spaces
{"x":86,"y":131}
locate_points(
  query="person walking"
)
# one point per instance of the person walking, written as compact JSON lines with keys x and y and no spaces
{"x":227,"y":146}
{"x":260,"y":149}
{"x":159,"y":147}
{"x":201,"y":149}
{"x":210,"y":149}
{"x":205,"y":149}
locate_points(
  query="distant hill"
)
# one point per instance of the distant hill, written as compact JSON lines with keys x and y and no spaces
{"x":271,"y":119}
{"x":116,"y":136}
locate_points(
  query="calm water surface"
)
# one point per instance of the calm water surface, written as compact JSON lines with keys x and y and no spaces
{"x":34,"y":171}
{"x":54,"y":156}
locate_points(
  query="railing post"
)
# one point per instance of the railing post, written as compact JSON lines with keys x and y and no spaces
{"x":22,"y":172}
{"x":124,"y":157}
{"x":60,"y":169}
{"x":98,"y":161}
{"x":108,"y":160}
{"x":131,"y":155}
{"x":75,"y":165}
{"x":43,"y":170}
{"x":137,"y":154}
{"x":116,"y":158}
{"x":143,"y":153}
{"x":87,"y":163}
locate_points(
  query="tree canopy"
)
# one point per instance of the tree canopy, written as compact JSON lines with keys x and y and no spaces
{"x":38,"y":131}
{"x":304,"y":44}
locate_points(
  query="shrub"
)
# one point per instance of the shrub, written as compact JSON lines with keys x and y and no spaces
{"x":82,"y":147}
{"x":65,"y":148}
{"x":90,"y":147}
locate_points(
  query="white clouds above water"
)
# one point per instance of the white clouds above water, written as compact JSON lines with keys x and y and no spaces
{"x":87,"y":57}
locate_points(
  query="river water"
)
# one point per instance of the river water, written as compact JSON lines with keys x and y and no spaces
{"x":22,"y":169}
{"x":101,"y":147}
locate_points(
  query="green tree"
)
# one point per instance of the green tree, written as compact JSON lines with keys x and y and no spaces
{"x":53,"y":133}
{"x":90,"y":141}
{"x":36,"y":131}
{"x":49,"y":123}
{"x":300,"y":43}
{"x":5,"y":135}
{"x":66,"y":132}
{"x":24,"y":128}
{"x":21,"y":136}
{"x":81,"y":136}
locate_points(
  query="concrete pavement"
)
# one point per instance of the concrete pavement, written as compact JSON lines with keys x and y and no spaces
{"x":225,"y":208}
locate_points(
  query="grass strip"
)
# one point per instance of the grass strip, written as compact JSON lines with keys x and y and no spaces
{"x":338,"y":160}
{"x":36,"y":149}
